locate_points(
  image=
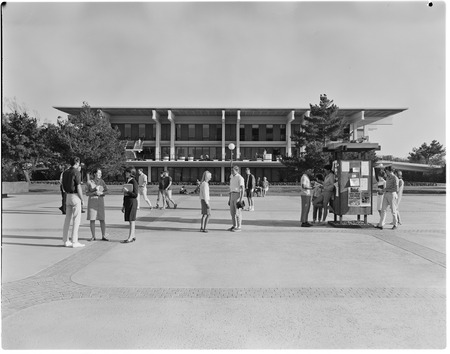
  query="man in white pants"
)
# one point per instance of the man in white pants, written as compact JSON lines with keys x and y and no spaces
{"x":71,"y":184}
{"x":143,"y":189}
{"x":390,"y":198}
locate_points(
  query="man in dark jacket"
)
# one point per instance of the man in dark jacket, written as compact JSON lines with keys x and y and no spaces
{"x":250,"y":185}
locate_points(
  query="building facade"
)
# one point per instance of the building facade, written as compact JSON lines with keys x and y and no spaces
{"x":187,"y":141}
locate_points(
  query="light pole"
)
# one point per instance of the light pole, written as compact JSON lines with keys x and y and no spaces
{"x":231,"y":146}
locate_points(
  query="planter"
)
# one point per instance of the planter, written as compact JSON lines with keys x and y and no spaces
{"x":190,"y":158}
{"x":15,"y":187}
{"x":181,"y":158}
{"x":166,"y":158}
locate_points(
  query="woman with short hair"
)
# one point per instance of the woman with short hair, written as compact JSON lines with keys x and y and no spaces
{"x":129,"y":208}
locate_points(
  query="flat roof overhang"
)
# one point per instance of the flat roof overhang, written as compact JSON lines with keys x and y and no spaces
{"x":371,"y":115}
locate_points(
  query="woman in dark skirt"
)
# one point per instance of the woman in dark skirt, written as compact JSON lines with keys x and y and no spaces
{"x":130,"y":202}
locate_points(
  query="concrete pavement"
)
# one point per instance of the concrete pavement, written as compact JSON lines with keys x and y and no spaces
{"x":272,"y":286}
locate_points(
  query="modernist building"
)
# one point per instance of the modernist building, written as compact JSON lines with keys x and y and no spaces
{"x":187,"y":141}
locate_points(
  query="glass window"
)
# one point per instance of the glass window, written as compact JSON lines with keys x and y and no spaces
{"x":205,"y":131}
{"x":191,"y":128}
{"x":242,"y":132}
{"x":269,"y":132}
{"x":165,"y":131}
{"x":282,"y":132}
{"x":178,"y":132}
{"x":255,"y":132}
{"x":127,"y":131}
{"x":142,"y":131}
{"x":219,"y":132}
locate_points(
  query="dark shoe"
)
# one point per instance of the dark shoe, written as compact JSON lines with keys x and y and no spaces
{"x":83,"y":211}
{"x":128,"y":241}
{"x":204,"y":230}
{"x":231,"y":228}
{"x":91,"y":239}
{"x":394,"y":227}
{"x":175,"y":206}
{"x":104,"y":238}
{"x":379,"y":227}
{"x":304,"y":224}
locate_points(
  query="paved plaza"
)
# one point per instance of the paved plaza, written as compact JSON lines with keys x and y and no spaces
{"x":274,"y":285}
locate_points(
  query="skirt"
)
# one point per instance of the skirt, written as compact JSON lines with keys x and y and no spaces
{"x":130,"y":205}
{"x":96,"y":208}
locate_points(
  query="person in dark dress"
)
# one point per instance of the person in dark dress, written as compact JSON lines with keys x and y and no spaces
{"x":130,"y":202}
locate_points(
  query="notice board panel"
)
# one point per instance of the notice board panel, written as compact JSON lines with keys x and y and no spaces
{"x":354,"y":187}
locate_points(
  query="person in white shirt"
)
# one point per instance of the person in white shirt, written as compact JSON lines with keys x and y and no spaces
{"x":142,"y":183}
{"x":204,"y":200}
{"x":328,"y":191}
{"x":305,"y":194}
{"x":236,"y":194}
{"x":401,"y":185}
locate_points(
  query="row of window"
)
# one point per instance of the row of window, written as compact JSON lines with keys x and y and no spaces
{"x":210,"y":153}
{"x":206,"y":132}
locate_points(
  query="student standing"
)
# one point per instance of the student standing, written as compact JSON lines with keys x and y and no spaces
{"x":167,"y":192}
{"x":236,"y":194}
{"x":381,"y":184}
{"x":204,"y":200}
{"x":401,"y":185}
{"x":250,"y":184}
{"x":305,"y":194}
{"x":71,"y":184}
{"x":96,"y":190}
{"x":317,"y":197}
{"x":390,"y":198}
{"x":129,"y":207}
{"x":142,"y":182}
{"x":328,"y":191}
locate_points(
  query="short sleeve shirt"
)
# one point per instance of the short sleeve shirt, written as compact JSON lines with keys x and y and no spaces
{"x":142,"y":180}
{"x":167,"y":180}
{"x":305,"y":182}
{"x":236,"y":182}
{"x":71,"y":179}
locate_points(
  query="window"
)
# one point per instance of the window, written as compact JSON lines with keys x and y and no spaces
{"x":269,"y":132}
{"x":205,"y":132}
{"x":219,"y":132}
{"x":191,"y":128}
{"x":282,"y":132}
{"x":242,"y":132}
{"x":142,"y":131}
{"x":127,"y":131}
{"x":255,"y":132}
{"x":165,"y":131}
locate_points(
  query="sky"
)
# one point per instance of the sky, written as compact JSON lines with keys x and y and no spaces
{"x":233,"y":54}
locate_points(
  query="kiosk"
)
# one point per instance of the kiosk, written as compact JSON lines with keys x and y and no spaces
{"x":354,"y":180}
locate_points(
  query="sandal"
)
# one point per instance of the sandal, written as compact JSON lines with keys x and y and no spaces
{"x":128,"y":241}
{"x":91,"y":239}
{"x":104,"y":238}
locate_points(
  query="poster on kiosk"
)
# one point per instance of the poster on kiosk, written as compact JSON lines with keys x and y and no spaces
{"x":353,"y":187}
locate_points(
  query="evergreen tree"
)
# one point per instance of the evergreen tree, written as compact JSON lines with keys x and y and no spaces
{"x":89,"y":136}
{"x":322,"y":126}
{"x":23,"y":145}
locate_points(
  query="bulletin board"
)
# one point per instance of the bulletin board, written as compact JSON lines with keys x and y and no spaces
{"x":353,"y":187}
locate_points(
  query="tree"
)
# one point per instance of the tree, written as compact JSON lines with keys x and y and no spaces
{"x":89,"y":136}
{"x":322,"y":126}
{"x":23,"y":145}
{"x":429,"y":154}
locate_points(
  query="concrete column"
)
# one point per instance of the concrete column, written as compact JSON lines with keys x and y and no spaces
{"x":238,"y":138}
{"x":290,"y":118}
{"x":156,"y":118}
{"x":224,"y":151}
{"x":222,"y":174}
{"x":171,"y":118}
